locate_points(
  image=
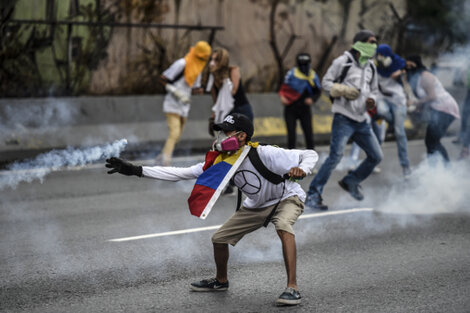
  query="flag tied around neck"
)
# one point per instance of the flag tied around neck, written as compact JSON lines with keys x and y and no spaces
{"x":218,"y":170}
{"x":295,"y":83}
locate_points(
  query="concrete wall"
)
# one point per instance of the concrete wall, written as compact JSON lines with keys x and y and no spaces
{"x":30,"y":126}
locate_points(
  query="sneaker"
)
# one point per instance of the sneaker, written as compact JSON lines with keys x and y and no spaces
{"x":229,"y":191}
{"x":211,"y":284}
{"x":352,"y":189}
{"x":290,"y":296}
{"x":315,"y":201}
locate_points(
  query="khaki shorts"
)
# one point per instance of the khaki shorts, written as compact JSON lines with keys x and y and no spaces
{"x":245,"y":220}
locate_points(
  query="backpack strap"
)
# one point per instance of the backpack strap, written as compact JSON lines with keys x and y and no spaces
{"x":344,"y":71}
{"x":373,"y":72}
{"x":262,"y":169}
{"x":177,"y":77}
{"x":239,"y":199}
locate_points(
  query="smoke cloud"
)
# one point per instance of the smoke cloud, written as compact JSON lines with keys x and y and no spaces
{"x":38,"y":168}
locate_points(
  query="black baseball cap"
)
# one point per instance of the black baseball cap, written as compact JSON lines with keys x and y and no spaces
{"x":238,"y":122}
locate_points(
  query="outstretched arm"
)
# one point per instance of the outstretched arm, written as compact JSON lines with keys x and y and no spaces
{"x":124,"y":167}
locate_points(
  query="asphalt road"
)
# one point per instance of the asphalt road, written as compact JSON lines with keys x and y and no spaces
{"x":411,"y":253}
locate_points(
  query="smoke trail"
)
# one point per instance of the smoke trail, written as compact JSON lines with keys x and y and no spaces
{"x":55,"y":160}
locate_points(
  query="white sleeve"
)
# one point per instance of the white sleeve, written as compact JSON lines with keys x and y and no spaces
{"x":308,"y":159}
{"x":172,"y":173}
{"x":280,"y":161}
{"x":198,"y":82}
{"x":210,"y":82}
{"x":175,"y":69}
{"x":333,"y":72}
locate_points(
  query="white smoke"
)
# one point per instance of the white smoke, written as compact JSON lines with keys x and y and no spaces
{"x":40,"y":115}
{"x":38,"y":168}
{"x":433,"y":188}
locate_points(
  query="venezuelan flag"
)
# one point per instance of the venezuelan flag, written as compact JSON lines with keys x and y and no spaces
{"x":295,"y":83}
{"x":213,"y":180}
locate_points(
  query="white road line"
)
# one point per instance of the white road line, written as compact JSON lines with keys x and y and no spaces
{"x":193,"y":230}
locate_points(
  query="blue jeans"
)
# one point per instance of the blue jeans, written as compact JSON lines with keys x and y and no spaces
{"x":342,"y":129}
{"x":395,"y":115}
{"x":437,"y":127}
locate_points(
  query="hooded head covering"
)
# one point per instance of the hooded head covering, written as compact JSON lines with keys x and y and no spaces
{"x":304,"y":62}
{"x":365,"y":49}
{"x":398,"y":62}
{"x":195,"y":60}
{"x":413,"y":74}
{"x":363,"y":35}
{"x":417,"y":60}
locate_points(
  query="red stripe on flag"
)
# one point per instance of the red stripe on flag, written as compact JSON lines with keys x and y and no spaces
{"x":199,"y":198}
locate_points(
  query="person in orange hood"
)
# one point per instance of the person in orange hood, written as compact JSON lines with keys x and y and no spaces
{"x":178,"y":80}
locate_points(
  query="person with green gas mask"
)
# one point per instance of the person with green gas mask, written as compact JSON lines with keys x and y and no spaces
{"x":352,"y":83}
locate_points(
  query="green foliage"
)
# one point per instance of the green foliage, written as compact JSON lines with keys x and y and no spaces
{"x":440,"y":25}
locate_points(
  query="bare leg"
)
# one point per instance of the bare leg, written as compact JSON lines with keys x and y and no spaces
{"x":289,"y":252}
{"x":221,"y":259}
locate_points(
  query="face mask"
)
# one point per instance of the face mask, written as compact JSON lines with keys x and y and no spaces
{"x":304,"y":68}
{"x":212,"y":64}
{"x":223,"y":143}
{"x":366,"y":51}
{"x":385,"y":61}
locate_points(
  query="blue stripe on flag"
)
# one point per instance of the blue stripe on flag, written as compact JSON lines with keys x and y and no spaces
{"x":214,"y":175}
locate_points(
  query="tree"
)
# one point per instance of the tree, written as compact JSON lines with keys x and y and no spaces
{"x":432,"y":27}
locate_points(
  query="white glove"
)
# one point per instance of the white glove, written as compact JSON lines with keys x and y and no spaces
{"x":177,"y":93}
{"x":340,"y":90}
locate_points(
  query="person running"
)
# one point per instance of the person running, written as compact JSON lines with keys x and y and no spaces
{"x":178,"y":80}
{"x":224,"y":83}
{"x":443,"y":109}
{"x":352,"y":83}
{"x":280,"y":204}
{"x":300,"y":89}
{"x":390,"y":67}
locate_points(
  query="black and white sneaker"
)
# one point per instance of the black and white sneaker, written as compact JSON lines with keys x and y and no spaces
{"x":290,"y":296}
{"x":211,"y":284}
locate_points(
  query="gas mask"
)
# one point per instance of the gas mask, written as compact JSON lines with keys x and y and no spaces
{"x":224,"y":143}
{"x":385,"y":61}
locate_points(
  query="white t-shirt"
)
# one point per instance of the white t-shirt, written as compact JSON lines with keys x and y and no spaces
{"x":259,"y":192}
{"x":170,"y":103}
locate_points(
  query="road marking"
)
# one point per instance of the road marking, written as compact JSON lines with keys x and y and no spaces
{"x":194,"y":230}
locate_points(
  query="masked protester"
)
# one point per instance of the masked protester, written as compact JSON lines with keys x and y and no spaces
{"x":431,"y":95}
{"x":268,"y":199}
{"x":391,"y":104}
{"x":300,"y":89}
{"x":178,"y":80}
{"x":351,"y":81}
